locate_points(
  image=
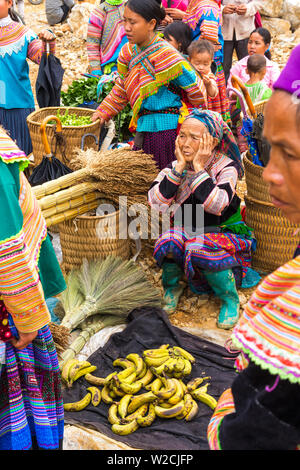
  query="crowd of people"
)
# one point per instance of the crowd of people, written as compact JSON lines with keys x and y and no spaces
{"x":172,"y":62}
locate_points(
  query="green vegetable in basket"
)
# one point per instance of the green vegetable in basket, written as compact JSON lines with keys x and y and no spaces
{"x":73,"y":119}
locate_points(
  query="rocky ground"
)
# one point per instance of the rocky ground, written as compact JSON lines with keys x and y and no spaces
{"x":196,"y":313}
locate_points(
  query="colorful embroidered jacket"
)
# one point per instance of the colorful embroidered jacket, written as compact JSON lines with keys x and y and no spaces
{"x":205,"y":19}
{"x":261,"y":410}
{"x":29,"y":270}
{"x":213,"y":189}
{"x":105,"y":36}
{"x":144,"y":80}
{"x":17,"y":43}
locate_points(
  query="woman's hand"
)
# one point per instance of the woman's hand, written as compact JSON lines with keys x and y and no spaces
{"x":96,"y":116}
{"x":24,"y":339}
{"x":241,"y":10}
{"x":206,"y":146}
{"x":229,"y":9}
{"x":175,"y":13}
{"x":181,"y":162}
{"x":168,"y":19}
{"x":46,"y":35}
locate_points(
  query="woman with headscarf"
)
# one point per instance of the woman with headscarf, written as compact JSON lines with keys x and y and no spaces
{"x":105,"y":36}
{"x":151,"y":76}
{"x":261,"y":410}
{"x":208,"y":240}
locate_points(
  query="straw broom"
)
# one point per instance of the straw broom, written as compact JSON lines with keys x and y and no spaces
{"x":111,"y":287}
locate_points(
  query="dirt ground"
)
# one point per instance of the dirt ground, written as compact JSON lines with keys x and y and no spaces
{"x":194,"y":312}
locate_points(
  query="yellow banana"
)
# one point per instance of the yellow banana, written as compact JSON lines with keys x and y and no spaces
{"x":109,"y":377}
{"x":165,"y":404}
{"x":92,"y":379}
{"x":194,"y":383}
{"x":177,"y":375}
{"x":130,"y":388}
{"x":159,"y":352}
{"x":131,"y":378}
{"x":106,"y":396}
{"x":169,"y":366}
{"x":182,"y":352}
{"x":113,"y":417}
{"x":79,"y":365}
{"x":179,"y":365}
{"x":164,"y":346}
{"x":188,"y":367}
{"x":122,"y":362}
{"x":67,"y":366}
{"x":169,"y":412}
{"x":156,"y":385}
{"x":163,"y":367}
{"x":112,"y":394}
{"x":147,"y":378}
{"x":137,"y":361}
{"x":179,"y":393}
{"x":119,"y":393}
{"x":193,"y":411}
{"x":188,"y":404}
{"x":148,"y":419}
{"x":140,"y":400}
{"x":78,"y":405}
{"x":205,"y":398}
{"x":155,"y":361}
{"x":141,"y":411}
{"x":167,"y":392}
{"x":84,"y":371}
{"x":126,"y":372}
{"x":123,"y":405}
{"x":143,"y":372}
{"x":96,"y":395}
{"x":183,"y":386}
{"x":124,"y":429}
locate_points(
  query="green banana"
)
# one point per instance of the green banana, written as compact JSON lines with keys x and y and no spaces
{"x":123,"y":405}
{"x":137,"y":361}
{"x":113,"y":417}
{"x":140,"y":400}
{"x":78,"y":405}
{"x":194,"y":383}
{"x":92,"y":379}
{"x":124,"y":429}
{"x":148,"y":419}
{"x":96,"y":395}
{"x":193,"y":411}
{"x":169,"y":412}
{"x":182,"y":352}
{"x":179,"y":393}
{"x":84,"y":371}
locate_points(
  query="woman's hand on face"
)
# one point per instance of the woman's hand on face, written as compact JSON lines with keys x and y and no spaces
{"x":46,"y":35}
{"x":175,"y":13}
{"x":181,"y":162}
{"x":206,"y":146}
{"x":24,"y":339}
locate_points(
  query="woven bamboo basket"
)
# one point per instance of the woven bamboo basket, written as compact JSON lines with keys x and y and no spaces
{"x":92,"y":237}
{"x":276,"y":236}
{"x":72,"y":134}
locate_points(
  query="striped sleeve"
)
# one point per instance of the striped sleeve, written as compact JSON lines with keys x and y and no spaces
{"x":193,"y":86}
{"x":37,"y":47}
{"x":163,"y":191}
{"x":215,"y":196}
{"x":224,"y":407}
{"x":93,"y":41}
{"x":114,"y":102}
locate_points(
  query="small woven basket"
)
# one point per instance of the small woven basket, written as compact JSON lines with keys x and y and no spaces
{"x":72,"y":134}
{"x":93,"y":237}
{"x":276,"y":236}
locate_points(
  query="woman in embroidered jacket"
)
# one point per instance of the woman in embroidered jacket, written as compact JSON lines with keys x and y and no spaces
{"x":261,"y":410}
{"x":205,"y":19}
{"x":17,"y":43}
{"x":31,"y":408}
{"x":151,"y":73}
{"x":105,"y":36}
{"x":208,"y":240}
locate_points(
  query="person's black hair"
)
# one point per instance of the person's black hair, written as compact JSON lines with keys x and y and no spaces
{"x":181,"y":32}
{"x":267,"y":38}
{"x":148,"y":9}
{"x":256,"y":63}
{"x":201,"y":45}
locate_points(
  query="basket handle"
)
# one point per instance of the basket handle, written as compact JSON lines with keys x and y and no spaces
{"x":241,"y":97}
{"x":237,"y":83}
{"x":43,"y":131}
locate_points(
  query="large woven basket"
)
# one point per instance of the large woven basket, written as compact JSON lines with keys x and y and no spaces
{"x":92,"y":237}
{"x":72,"y":134}
{"x":276,"y":236}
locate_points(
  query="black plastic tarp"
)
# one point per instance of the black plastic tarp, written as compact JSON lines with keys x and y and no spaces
{"x":149,"y":328}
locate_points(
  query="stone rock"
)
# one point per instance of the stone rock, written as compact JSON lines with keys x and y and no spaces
{"x":78,"y":19}
{"x":276,"y":26}
{"x":291,"y":12}
{"x":272,"y":8}
{"x":297,"y":36}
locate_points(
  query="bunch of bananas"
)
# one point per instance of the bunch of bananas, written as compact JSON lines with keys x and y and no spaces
{"x":158,"y":374}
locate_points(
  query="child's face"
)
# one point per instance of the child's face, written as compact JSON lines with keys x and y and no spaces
{"x":171,"y":40}
{"x":4,"y":6}
{"x":201,"y":61}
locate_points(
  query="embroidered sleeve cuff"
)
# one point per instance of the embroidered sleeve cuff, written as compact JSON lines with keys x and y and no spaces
{"x":224,"y":407}
{"x":33,"y":319}
{"x":198,"y":179}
